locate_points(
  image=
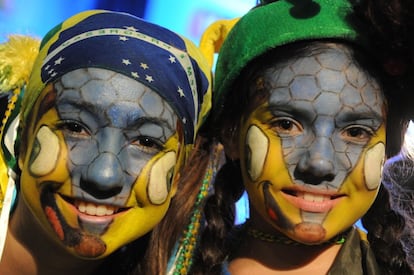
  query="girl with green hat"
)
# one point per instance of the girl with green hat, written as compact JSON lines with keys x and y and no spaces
{"x":307,"y":117}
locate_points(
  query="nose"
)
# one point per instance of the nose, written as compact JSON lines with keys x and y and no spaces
{"x":317,"y":164}
{"x":104,"y":177}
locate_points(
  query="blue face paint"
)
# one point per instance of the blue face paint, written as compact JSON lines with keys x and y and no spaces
{"x":325,"y":93}
{"x":106,"y":127}
{"x":315,"y":148}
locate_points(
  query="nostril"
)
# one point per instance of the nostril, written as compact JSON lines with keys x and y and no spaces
{"x":310,"y":178}
{"x":315,"y":170}
{"x":104,"y":177}
{"x":98,"y":192}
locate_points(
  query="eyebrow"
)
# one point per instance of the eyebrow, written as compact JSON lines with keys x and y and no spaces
{"x":347,"y":116}
{"x":289,"y":108}
{"x":151,"y":120}
{"x":132,"y":121}
{"x":372,"y":118}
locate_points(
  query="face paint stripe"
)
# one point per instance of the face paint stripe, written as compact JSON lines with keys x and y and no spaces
{"x":374,"y":160}
{"x":158,"y":186}
{"x":257,"y":146}
{"x":48,"y":155}
{"x":54,"y":221}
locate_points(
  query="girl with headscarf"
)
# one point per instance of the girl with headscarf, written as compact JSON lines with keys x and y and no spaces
{"x":97,"y":145}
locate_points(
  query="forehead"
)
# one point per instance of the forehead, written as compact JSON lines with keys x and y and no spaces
{"x":110,"y":96}
{"x":110,"y":92}
{"x":325,"y":80}
{"x":103,"y":87}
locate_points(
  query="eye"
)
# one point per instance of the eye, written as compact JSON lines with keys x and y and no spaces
{"x":357,"y":134}
{"x":73,"y":128}
{"x":286,"y":127}
{"x":148,"y":145}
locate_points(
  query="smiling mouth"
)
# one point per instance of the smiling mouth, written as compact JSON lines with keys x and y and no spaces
{"x":94,"y":209}
{"x":311,"y":201}
{"x":93,"y":218}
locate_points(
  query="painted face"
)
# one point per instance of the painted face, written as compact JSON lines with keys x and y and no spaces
{"x":102,"y":154}
{"x":313,"y":153}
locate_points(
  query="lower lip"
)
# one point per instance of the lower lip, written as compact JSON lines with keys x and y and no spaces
{"x":311,"y":206}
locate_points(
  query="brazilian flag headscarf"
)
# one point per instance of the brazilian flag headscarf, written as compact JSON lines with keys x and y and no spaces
{"x":158,"y":58}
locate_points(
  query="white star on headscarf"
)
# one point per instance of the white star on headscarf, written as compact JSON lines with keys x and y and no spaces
{"x":149,"y":78}
{"x":131,"y":28}
{"x":126,"y":62}
{"x":172,"y":59}
{"x":180,"y":92}
{"x":59,"y":61}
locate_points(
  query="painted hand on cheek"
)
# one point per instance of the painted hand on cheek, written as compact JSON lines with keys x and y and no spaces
{"x":108,"y":129}
{"x":316,"y":148}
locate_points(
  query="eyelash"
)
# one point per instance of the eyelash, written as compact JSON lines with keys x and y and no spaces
{"x":148,"y":145}
{"x":286,"y":126}
{"x":78,"y":130}
{"x":73,"y":128}
{"x":357,"y":133}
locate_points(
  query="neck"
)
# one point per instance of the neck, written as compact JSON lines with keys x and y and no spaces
{"x":30,"y":250}
{"x":262,"y":256}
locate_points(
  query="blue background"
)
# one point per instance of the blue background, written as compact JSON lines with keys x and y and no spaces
{"x":187,"y":17}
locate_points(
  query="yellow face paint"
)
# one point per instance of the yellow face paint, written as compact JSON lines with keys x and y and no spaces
{"x":270,"y":187}
{"x":97,"y":180}
{"x":312,"y":154}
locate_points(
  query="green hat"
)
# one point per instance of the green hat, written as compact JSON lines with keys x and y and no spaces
{"x":275,"y":24}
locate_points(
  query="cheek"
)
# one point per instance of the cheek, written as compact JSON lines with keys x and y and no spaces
{"x":46,"y":164}
{"x":374,"y":161}
{"x":45,"y":152}
{"x":152,"y":195}
{"x":153,"y":185}
{"x":256,"y":150}
{"x":160,"y":177}
{"x":361,"y":187}
{"x":262,"y":157}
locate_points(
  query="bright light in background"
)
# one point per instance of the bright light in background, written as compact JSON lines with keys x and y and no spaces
{"x":186,"y":17}
{"x":36,"y":17}
{"x":409,"y":140}
{"x":190,"y":17}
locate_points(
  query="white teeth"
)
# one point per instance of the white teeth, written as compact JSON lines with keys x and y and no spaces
{"x":314,"y":197}
{"x":95,"y":210}
{"x":82,"y":207}
{"x":91,"y":209}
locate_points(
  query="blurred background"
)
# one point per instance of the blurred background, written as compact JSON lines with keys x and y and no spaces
{"x":187,"y":17}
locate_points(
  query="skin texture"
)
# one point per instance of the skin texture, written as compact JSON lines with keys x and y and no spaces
{"x":315,"y":149}
{"x":101,"y":158}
